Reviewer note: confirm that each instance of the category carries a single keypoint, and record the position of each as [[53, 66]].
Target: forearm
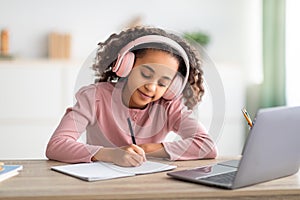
[[63, 149], [195, 143], [191, 148], [63, 145], [155, 150]]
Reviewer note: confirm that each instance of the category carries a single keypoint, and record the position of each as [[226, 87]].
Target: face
[[149, 78]]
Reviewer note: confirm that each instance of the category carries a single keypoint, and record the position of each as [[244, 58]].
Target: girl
[[149, 82]]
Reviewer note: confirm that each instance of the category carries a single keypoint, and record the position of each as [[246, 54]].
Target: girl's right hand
[[131, 155], [126, 156]]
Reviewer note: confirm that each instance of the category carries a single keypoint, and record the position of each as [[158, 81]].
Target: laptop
[[271, 151]]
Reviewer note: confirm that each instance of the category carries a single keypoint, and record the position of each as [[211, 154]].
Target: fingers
[[139, 151], [135, 162], [137, 155], [127, 156], [131, 155]]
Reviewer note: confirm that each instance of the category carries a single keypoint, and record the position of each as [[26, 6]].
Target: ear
[[124, 65], [174, 89]]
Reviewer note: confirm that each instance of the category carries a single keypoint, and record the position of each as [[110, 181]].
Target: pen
[[247, 116], [131, 131]]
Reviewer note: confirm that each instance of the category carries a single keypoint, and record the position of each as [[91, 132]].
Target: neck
[[126, 96]]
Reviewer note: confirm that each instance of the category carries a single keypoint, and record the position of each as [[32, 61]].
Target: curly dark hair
[[107, 54]]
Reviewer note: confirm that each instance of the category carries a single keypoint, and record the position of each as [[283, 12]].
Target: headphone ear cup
[[174, 89], [126, 64]]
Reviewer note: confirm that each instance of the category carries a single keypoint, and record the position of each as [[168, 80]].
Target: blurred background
[[44, 44]]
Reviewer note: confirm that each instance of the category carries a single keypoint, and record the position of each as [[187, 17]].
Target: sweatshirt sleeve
[[63, 145], [195, 142]]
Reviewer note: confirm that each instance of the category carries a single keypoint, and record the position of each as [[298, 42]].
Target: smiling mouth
[[145, 96]]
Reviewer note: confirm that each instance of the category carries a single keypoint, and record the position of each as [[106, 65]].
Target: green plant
[[198, 37]]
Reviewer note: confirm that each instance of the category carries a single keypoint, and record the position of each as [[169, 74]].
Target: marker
[[131, 130], [247, 117]]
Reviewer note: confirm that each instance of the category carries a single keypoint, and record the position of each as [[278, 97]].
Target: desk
[[37, 181]]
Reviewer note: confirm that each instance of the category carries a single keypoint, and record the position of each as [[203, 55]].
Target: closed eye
[[147, 72], [164, 83], [146, 75]]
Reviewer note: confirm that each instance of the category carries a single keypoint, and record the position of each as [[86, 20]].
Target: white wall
[[292, 52], [233, 25]]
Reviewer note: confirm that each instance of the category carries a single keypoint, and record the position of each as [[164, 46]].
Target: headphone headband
[[153, 39]]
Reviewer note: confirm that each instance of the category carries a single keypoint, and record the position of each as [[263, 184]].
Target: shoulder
[[96, 90], [97, 86]]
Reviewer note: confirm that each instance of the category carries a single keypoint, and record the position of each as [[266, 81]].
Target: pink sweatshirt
[[101, 113]]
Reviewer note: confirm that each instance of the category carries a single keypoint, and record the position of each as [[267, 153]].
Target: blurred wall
[[233, 25]]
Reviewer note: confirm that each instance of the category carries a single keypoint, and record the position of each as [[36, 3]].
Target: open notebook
[[102, 170]]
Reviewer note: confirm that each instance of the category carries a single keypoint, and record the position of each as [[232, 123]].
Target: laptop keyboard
[[226, 178]]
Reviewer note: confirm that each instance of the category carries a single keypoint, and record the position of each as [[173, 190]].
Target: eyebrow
[[153, 71]]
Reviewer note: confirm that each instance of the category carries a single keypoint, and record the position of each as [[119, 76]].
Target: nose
[[151, 86]]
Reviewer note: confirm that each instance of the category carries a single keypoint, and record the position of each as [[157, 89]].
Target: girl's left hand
[[155, 150]]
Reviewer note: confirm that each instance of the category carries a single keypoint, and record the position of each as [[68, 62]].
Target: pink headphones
[[125, 62]]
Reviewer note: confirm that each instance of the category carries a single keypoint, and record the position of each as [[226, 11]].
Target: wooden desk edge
[[189, 191]]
